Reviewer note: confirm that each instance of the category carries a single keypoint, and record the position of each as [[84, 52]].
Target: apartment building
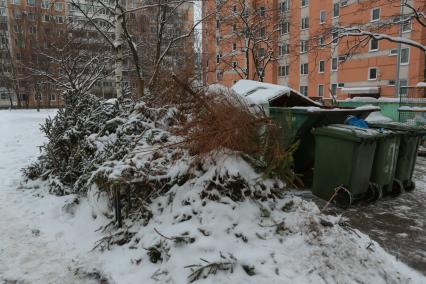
[[28, 28], [309, 48]]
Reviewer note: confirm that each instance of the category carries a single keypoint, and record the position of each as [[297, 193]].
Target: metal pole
[[398, 64]]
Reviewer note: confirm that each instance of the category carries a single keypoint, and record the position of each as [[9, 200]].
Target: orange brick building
[[307, 53]]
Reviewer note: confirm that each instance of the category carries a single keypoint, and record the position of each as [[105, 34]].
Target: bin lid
[[351, 133], [398, 126]]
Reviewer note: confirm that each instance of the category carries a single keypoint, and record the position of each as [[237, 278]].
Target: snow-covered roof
[[361, 90], [412, 108], [263, 93], [259, 92], [371, 100]]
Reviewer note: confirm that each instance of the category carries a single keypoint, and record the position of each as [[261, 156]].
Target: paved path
[[397, 224]]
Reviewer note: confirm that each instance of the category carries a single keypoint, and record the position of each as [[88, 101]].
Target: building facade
[[310, 47], [33, 30]]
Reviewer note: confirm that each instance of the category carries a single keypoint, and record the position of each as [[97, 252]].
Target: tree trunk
[[118, 52]]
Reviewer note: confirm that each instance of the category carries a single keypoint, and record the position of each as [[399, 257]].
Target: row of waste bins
[[347, 163], [356, 163]]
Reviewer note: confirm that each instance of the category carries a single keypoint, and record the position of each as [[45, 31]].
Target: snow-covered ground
[[33, 246], [49, 239]]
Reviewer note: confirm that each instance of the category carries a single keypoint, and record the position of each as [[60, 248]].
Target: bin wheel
[[343, 198], [374, 192], [409, 186], [397, 188]]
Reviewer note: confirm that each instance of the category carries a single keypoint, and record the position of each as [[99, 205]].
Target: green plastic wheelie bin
[[344, 157], [384, 165], [410, 140], [297, 124]]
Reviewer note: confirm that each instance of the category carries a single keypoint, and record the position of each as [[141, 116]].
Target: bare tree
[[129, 43], [353, 36], [253, 30]]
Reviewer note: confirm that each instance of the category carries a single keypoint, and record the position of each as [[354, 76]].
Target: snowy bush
[[145, 150]]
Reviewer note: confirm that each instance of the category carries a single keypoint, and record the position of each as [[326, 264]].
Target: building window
[[374, 44], [405, 56], [33, 30], [234, 8], [234, 64], [217, 24], [322, 16], [283, 70], [403, 83], [31, 17], [45, 4], [16, 2], [31, 2], [372, 73], [304, 70], [305, 23], [375, 14], [321, 41], [284, 28], [305, 3], [219, 75], [303, 46], [406, 25], [285, 6], [261, 52], [304, 90], [262, 11], [262, 32], [321, 66], [334, 64], [333, 90], [17, 28], [59, 7], [336, 10], [284, 49], [320, 90], [17, 14], [335, 36], [234, 46], [234, 27], [218, 57]]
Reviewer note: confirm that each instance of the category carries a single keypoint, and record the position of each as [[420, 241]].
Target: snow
[[377, 116], [421, 84], [361, 90], [262, 93], [317, 109], [49, 239], [412, 108], [368, 107], [372, 100]]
